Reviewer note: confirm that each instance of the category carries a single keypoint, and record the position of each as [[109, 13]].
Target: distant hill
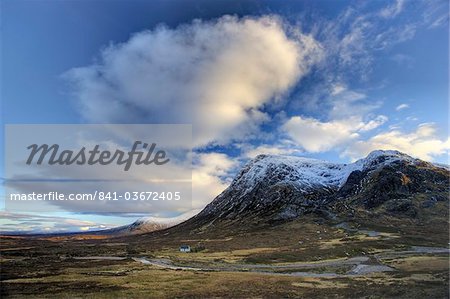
[[146, 225]]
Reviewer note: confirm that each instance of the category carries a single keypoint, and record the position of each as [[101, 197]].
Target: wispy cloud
[[402, 107], [435, 13], [403, 60], [392, 10], [34, 223], [285, 147], [353, 39]]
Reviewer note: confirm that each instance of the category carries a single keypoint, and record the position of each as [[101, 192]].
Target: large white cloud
[[213, 74], [347, 118], [316, 136]]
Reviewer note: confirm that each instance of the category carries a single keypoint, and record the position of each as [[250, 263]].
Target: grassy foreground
[[48, 267]]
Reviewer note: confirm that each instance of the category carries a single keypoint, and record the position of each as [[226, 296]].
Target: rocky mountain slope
[[274, 189]]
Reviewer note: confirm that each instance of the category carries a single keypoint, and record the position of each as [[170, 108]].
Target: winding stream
[[357, 262]]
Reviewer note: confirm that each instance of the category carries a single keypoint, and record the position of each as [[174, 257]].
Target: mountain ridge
[[272, 188]]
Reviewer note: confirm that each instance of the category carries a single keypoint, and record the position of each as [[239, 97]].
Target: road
[[359, 265]]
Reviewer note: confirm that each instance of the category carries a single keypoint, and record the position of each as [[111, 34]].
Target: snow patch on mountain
[[171, 221], [308, 173], [379, 158]]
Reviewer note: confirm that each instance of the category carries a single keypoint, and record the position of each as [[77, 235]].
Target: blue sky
[[327, 79]]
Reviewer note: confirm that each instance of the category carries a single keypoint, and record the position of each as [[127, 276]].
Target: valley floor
[[293, 260]]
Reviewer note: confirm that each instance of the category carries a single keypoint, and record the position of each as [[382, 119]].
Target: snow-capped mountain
[[280, 188], [148, 224], [308, 173]]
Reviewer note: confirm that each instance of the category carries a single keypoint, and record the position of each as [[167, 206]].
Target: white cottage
[[185, 248]]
